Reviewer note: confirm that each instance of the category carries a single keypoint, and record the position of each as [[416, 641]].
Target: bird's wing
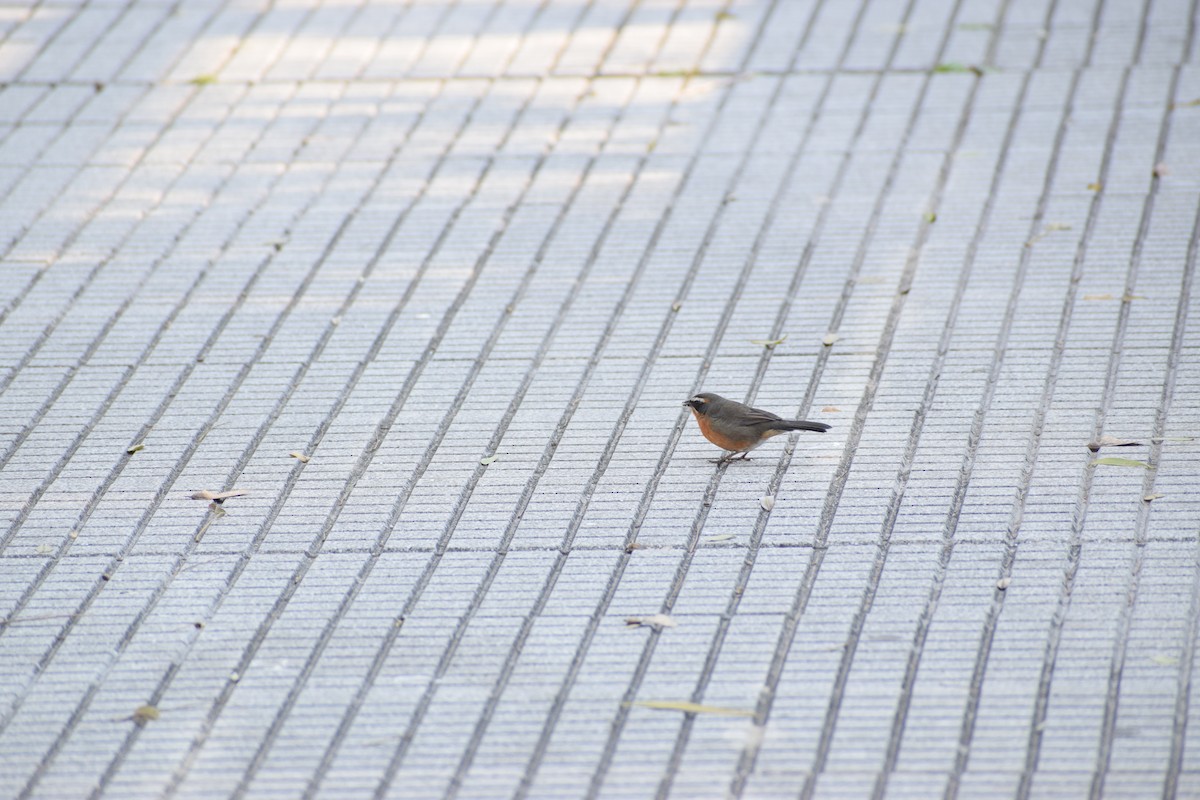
[[757, 415]]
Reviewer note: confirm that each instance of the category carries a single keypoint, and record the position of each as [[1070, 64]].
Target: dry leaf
[[1113, 461], [1152, 497], [74, 534], [203, 80], [720, 537], [1186, 103], [676, 306], [133, 448], [44, 549], [303, 459], [692, 708], [930, 217], [769, 343], [656, 621], [1165, 660], [1105, 296], [629, 548], [1004, 582], [1094, 186], [767, 502], [489, 459], [144, 713], [829, 339], [218, 497], [1111, 441], [830, 409]]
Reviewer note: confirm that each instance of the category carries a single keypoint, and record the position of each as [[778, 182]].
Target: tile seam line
[[533, 765], [410, 733], [116, 560], [499, 556], [718, 637], [360, 368], [76, 616], [926, 617], [900, 483], [280, 719], [243, 561], [1075, 543], [331, 751], [225, 401], [379, 547], [617, 724], [509, 665], [223, 698], [1142, 522], [748, 757], [437, 551], [991, 619], [17, 299], [81, 519], [359, 469], [1057, 618]]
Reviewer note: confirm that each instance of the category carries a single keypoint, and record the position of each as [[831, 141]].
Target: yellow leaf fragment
[[303, 459], [692, 708], [144, 713], [1114, 461]]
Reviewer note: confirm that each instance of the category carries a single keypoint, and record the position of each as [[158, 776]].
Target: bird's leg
[[745, 455]]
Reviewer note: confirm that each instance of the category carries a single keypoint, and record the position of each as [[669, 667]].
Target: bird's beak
[[687, 403]]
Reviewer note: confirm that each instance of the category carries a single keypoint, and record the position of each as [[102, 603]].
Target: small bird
[[737, 427]]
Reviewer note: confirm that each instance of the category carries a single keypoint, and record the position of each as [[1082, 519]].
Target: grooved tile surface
[[424, 283]]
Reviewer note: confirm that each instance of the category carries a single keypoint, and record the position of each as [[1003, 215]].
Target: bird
[[737, 427]]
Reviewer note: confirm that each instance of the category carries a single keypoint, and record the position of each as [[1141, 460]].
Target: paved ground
[[429, 282]]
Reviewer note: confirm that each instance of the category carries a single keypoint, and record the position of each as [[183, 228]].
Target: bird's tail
[[801, 425]]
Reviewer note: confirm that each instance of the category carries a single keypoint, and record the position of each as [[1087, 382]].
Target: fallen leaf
[[676, 306], [692, 708], [829, 339], [144, 713], [1095, 186], [1187, 103], [724, 15], [218, 497], [1152, 497], [954, 66], [489, 459], [1131, 297], [1165, 660], [830, 409], [720, 537], [44, 549], [1105, 296], [629, 548], [1113, 461], [975, 26], [133, 448], [770, 343], [203, 80], [1160, 169], [1111, 441], [74, 534], [1004, 582], [303, 459], [767, 502], [656, 621], [930, 217]]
